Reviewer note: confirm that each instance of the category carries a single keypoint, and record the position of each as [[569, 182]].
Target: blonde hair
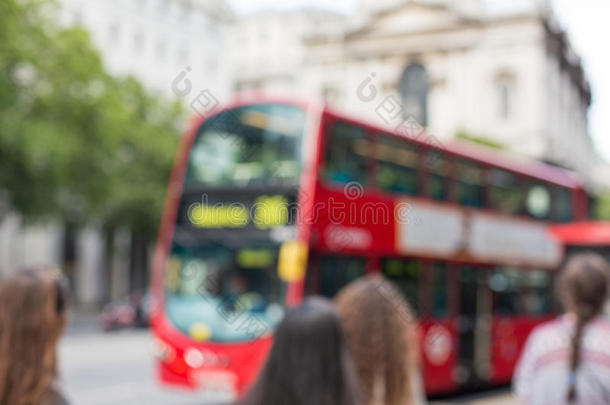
[[377, 322], [32, 318]]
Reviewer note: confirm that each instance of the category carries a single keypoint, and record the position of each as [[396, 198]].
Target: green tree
[[75, 142], [602, 207]]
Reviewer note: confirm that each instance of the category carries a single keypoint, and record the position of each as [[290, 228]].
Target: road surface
[[117, 369]]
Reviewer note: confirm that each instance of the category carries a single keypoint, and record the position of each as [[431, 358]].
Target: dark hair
[[583, 290], [377, 322], [309, 363]]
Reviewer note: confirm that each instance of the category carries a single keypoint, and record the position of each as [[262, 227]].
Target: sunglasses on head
[[62, 294], [62, 288]]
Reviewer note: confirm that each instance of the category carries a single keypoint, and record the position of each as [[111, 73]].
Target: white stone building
[[498, 69], [267, 49], [156, 40]]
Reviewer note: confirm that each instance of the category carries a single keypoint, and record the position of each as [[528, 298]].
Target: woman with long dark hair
[[32, 319], [309, 363], [381, 335], [567, 361]]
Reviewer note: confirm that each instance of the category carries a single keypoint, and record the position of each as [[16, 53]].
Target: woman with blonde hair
[[32, 318], [381, 335]]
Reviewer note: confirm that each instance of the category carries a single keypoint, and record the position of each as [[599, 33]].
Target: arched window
[[414, 92], [505, 94]]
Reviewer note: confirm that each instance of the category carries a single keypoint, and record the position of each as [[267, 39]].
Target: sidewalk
[[500, 397]]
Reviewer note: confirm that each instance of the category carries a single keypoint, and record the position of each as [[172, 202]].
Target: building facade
[[267, 49], [157, 40], [499, 70]]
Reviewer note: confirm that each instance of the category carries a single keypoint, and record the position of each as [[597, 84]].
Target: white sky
[[246, 6], [588, 25]]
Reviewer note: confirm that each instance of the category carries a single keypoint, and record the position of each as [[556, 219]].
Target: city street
[[117, 368], [114, 368], [323, 177]]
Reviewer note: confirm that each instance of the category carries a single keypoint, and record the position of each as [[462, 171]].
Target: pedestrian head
[[378, 325], [309, 363], [584, 285], [32, 317], [583, 289]]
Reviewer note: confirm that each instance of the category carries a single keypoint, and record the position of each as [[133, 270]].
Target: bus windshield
[[252, 145], [222, 294]]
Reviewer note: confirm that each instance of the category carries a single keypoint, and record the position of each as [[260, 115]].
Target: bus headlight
[[163, 351], [194, 358]]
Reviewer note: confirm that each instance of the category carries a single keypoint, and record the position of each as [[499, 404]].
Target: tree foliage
[[481, 140], [602, 207], [75, 142]]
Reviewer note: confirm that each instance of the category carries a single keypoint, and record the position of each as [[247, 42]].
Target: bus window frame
[[555, 214], [484, 184], [375, 163], [425, 175], [328, 122], [519, 185], [450, 181]]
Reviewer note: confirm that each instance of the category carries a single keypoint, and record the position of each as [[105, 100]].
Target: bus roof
[[585, 233], [515, 163], [485, 155]]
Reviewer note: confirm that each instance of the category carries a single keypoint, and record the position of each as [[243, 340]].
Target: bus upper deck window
[[435, 185], [469, 178], [397, 165], [346, 153], [504, 192], [253, 145], [562, 201]]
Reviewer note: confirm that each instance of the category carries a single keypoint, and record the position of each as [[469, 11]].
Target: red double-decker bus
[[273, 200]]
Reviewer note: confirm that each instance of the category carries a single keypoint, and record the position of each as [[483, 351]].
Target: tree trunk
[[139, 276]]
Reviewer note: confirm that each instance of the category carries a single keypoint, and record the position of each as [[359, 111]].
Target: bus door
[[474, 323]]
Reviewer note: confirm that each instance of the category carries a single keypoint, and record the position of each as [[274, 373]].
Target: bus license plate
[[218, 384]]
